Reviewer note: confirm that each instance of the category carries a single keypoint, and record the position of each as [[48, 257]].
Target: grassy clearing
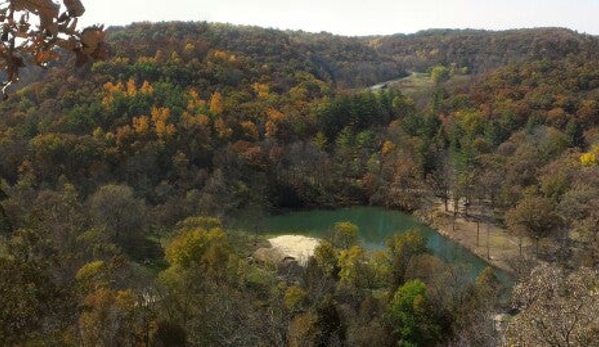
[[419, 86], [417, 82]]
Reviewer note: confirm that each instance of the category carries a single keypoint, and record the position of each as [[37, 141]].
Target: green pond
[[376, 225]]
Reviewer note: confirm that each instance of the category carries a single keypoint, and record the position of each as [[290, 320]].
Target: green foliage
[[295, 298], [34, 305], [196, 247], [352, 267], [401, 248], [326, 258], [358, 111], [344, 235], [409, 315], [194, 223], [440, 74], [93, 275]]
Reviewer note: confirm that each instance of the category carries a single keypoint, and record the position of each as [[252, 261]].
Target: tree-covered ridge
[[343, 61], [481, 50], [146, 110]]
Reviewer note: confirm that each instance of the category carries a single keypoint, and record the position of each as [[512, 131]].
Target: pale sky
[[352, 17]]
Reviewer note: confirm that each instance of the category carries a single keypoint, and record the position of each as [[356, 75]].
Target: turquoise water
[[376, 225]]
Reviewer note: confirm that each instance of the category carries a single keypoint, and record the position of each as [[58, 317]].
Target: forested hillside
[[480, 50], [121, 181]]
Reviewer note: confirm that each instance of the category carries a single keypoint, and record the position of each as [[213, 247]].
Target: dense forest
[[124, 181]]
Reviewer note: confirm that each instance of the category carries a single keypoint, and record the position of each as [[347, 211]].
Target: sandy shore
[[301, 248]]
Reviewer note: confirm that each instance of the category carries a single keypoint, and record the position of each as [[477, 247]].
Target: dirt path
[[492, 243]]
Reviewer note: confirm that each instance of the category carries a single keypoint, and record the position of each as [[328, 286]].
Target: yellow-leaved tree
[[590, 158], [160, 117], [200, 243], [217, 103]]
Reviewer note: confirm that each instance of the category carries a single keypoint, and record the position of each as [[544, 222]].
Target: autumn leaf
[[37, 45], [90, 39], [75, 7], [46, 9]]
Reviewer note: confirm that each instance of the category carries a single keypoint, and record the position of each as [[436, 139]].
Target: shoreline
[[292, 247], [494, 245], [502, 245]]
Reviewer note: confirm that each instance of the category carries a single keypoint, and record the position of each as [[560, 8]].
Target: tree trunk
[[478, 233], [455, 216], [488, 245], [520, 245]]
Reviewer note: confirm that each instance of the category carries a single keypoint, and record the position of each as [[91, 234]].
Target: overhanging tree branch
[[32, 31]]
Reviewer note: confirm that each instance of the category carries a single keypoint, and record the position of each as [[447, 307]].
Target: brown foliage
[[20, 44]]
